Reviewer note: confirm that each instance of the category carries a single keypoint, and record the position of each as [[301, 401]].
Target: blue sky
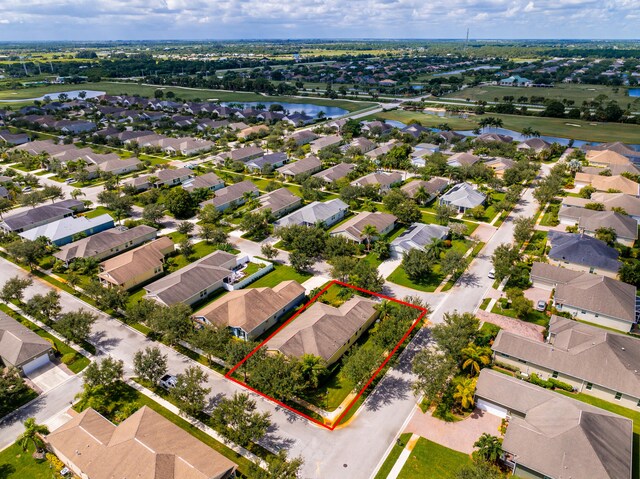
[[22, 20]]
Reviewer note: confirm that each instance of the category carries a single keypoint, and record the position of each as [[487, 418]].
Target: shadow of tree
[[6, 470], [391, 389]]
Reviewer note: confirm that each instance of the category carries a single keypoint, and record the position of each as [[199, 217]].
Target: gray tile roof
[[18, 344], [585, 352], [278, 200], [65, 227], [355, 226], [335, 172], [463, 195], [208, 180], [583, 250], [40, 214], [558, 436], [591, 220], [231, 193], [316, 212], [419, 235], [305, 165]]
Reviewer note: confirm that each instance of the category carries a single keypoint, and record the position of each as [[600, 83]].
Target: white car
[[492, 274], [168, 381], [541, 305]]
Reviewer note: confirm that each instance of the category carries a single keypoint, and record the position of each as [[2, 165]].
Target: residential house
[[515, 80], [606, 158], [433, 187], [616, 146], [537, 145], [271, 161], [298, 119], [415, 130], [550, 436], [195, 282], [500, 165], [22, 348], [308, 165], [628, 203], [232, 196], [377, 127], [74, 126], [325, 213], [450, 136], [249, 313], [172, 177], [418, 236], [279, 202], [462, 159], [146, 445], [65, 230], [381, 179], [243, 154], [489, 137], [208, 181], [324, 142], [353, 229], [14, 139], [256, 130], [303, 137], [611, 184], [106, 243], [40, 215], [589, 221], [335, 173], [594, 361], [325, 331], [380, 151], [463, 197], [590, 297], [120, 166], [583, 253], [613, 170], [140, 183], [137, 266], [361, 144]]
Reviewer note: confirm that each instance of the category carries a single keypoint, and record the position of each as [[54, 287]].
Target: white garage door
[[491, 408], [35, 364]]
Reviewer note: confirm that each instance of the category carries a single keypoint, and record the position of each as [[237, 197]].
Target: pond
[[306, 108], [71, 95], [635, 92]]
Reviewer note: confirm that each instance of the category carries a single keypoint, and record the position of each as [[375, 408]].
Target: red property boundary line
[[364, 388]]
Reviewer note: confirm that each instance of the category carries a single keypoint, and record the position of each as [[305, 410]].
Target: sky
[[37, 20]]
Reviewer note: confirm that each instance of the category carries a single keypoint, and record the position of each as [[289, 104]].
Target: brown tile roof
[[249, 308], [335, 172], [322, 330], [434, 186], [18, 344], [591, 220], [606, 183], [277, 200], [135, 262], [144, 446], [355, 226], [607, 157], [231, 193], [305, 165]]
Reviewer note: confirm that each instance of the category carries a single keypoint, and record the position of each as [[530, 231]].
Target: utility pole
[[466, 43]]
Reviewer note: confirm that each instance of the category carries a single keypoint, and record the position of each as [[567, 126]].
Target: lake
[[72, 95], [635, 92], [307, 108]]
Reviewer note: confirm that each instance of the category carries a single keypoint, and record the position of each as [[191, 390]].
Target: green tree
[[489, 447], [417, 264], [369, 232], [630, 273], [444, 213], [465, 392], [268, 251], [150, 364], [257, 224], [238, 420], [45, 307], [13, 289], [186, 228], [300, 261], [523, 228], [359, 363], [278, 467], [212, 341], [153, 213], [190, 392], [173, 322], [275, 375], [434, 371], [504, 260], [455, 332], [104, 373], [213, 234], [453, 262], [475, 358], [12, 388], [479, 470], [186, 247], [180, 203], [312, 369], [27, 251], [366, 276], [607, 234], [76, 325], [32, 434]]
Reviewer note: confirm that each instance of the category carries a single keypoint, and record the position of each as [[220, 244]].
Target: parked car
[[168, 381], [492, 274], [69, 181], [541, 305], [26, 189]]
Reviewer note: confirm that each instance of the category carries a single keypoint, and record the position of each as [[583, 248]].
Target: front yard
[[432, 460], [18, 464], [279, 274]]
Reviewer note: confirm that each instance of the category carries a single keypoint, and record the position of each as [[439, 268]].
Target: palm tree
[[465, 392], [384, 309], [489, 447], [527, 132], [312, 369], [436, 248], [369, 232], [421, 195], [32, 434], [367, 205], [77, 192], [475, 358]]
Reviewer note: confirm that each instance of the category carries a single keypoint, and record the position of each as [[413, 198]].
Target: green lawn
[[622, 411], [426, 120], [550, 217], [393, 456], [432, 460], [278, 275], [536, 317], [429, 284], [18, 464], [100, 210]]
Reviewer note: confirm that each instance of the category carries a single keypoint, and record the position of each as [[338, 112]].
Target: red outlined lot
[[332, 426]]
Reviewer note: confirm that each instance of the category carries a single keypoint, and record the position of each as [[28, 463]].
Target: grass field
[[18, 464], [393, 456], [560, 127], [577, 93], [278, 275], [432, 460], [118, 88]]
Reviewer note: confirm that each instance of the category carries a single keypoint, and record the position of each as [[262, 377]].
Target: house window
[[618, 396], [589, 387], [555, 374], [638, 403]]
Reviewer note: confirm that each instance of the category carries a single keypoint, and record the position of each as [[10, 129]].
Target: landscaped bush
[[55, 462], [535, 379], [561, 385], [68, 358]]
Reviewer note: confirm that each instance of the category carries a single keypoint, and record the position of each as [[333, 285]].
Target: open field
[[561, 127], [18, 464], [117, 88], [432, 460], [576, 92]]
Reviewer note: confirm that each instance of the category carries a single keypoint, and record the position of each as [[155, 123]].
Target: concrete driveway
[[537, 294], [48, 377]]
